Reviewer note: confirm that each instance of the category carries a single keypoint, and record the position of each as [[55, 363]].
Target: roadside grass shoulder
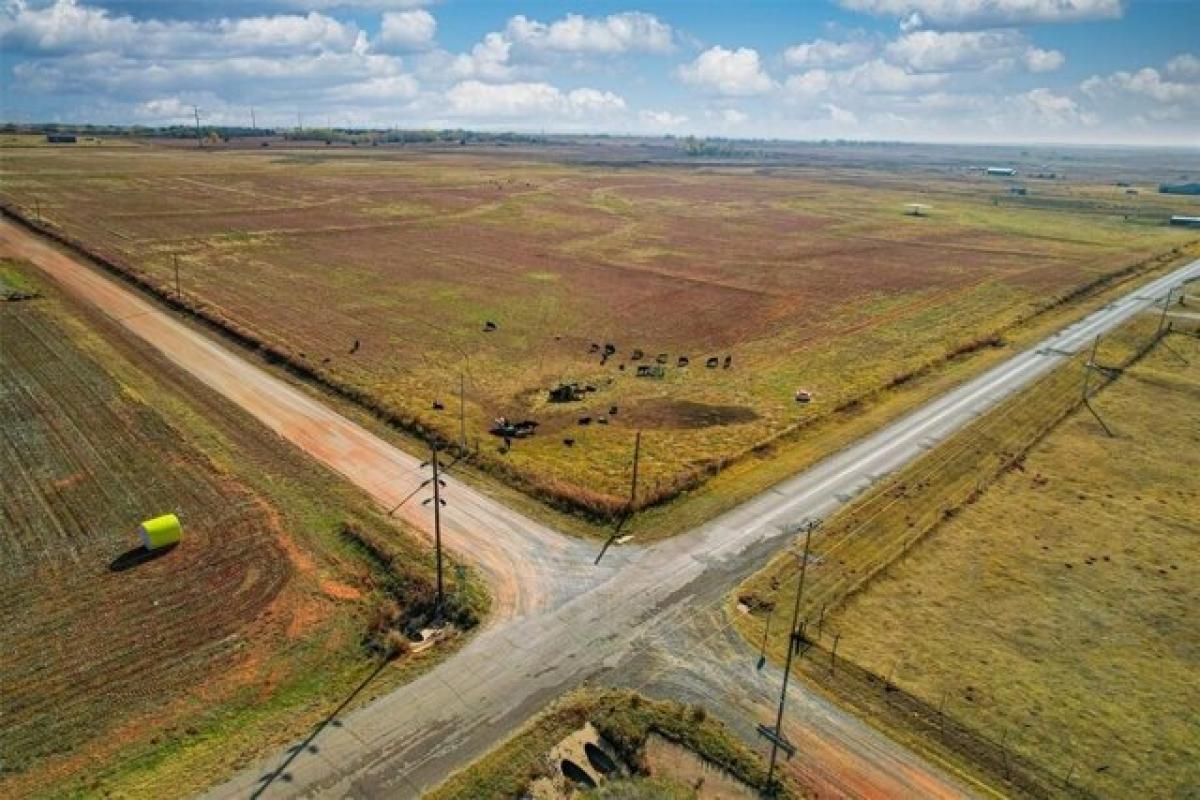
[[14, 283], [623, 718]]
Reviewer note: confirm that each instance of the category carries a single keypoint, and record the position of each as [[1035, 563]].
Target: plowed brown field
[[90, 625], [225, 645]]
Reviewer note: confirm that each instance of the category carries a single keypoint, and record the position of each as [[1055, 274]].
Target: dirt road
[[563, 621], [528, 565]]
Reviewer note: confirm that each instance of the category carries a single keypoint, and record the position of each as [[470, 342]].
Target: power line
[[438, 502]]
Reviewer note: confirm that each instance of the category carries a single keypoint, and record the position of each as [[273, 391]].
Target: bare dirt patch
[[665, 414]]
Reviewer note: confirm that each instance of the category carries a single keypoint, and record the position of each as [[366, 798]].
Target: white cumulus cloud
[[1042, 106], [628, 32], [727, 72], [662, 119], [488, 59], [528, 99], [1145, 83], [1038, 60], [840, 115], [987, 13], [66, 26], [374, 5], [1184, 66], [407, 30], [880, 77], [824, 53], [810, 84], [940, 51]]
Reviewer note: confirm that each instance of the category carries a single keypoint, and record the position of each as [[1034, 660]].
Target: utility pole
[[37, 201], [178, 294], [438, 502], [794, 639], [762, 651], [637, 449], [196, 113], [462, 411], [253, 123], [1162, 320], [1087, 374], [1087, 368]]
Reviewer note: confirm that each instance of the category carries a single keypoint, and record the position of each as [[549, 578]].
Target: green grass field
[[807, 278]]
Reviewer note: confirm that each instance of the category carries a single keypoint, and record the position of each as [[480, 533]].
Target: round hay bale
[[160, 532]]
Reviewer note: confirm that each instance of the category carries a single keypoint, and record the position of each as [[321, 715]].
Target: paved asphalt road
[[560, 620]]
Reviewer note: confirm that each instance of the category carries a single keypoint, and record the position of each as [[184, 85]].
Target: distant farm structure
[[1179, 188], [917, 209], [1000, 172], [1185, 221], [61, 138]]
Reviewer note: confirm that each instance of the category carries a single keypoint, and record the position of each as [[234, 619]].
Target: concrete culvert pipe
[[600, 760], [160, 532], [577, 774]]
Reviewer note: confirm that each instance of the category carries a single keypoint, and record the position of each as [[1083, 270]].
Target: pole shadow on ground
[[280, 772]]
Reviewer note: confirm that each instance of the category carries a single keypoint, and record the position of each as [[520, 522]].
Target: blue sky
[[928, 70]]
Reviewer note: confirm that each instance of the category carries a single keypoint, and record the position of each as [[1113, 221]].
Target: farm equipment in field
[[507, 429], [566, 393], [650, 371], [803, 396]]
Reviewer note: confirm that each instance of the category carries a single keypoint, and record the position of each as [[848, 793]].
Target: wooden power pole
[[196, 113], [438, 502], [637, 451], [462, 413], [775, 735]]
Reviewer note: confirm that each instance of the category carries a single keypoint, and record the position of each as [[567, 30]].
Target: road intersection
[[559, 619]]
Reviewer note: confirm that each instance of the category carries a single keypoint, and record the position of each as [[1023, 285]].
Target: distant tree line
[[326, 134]]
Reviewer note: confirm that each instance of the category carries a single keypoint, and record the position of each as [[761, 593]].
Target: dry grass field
[[1021, 605], [1059, 608], [377, 269], [155, 675]]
